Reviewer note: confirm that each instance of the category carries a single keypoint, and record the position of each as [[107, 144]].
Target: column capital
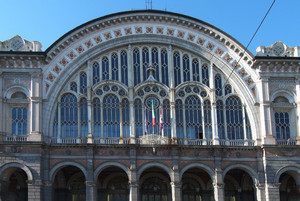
[[218, 185], [91, 183], [260, 186]]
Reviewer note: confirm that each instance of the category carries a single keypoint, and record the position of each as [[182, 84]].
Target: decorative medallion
[[151, 100]]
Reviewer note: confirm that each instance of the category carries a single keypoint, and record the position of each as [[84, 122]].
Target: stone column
[[218, 184], [260, 192], [133, 191], [91, 190], [272, 192], [176, 191], [34, 190], [35, 110]]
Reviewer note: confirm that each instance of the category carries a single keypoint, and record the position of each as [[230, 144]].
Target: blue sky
[[47, 20]]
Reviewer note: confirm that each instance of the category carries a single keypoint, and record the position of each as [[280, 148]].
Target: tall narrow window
[[234, 118], [69, 116], [164, 67], [154, 54], [193, 118], [196, 70], [83, 83], [19, 121], [138, 116], [115, 67], [218, 85], [166, 118], [220, 119], [83, 118], [96, 73], [282, 124], [177, 75], [105, 68], [179, 119], [248, 126], [136, 66], [145, 57], [111, 116], [207, 119], [73, 87], [205, 76], [228, 89], [125, 118], [124, 67], [97, 117], [55, 124], [186, 68]]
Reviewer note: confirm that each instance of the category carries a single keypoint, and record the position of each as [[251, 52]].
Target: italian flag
[[153, 115]]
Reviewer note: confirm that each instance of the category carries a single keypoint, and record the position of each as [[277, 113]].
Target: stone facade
[[226, 125]]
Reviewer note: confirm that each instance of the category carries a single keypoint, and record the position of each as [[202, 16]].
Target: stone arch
[[294, 171], [61, 165], [206, 168], [285, 93], [16, 88], [103, 166], [5, 170], [253, 174], [154, 164]]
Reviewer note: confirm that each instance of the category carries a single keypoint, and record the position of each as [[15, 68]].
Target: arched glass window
[[164, 67], [220, 119], [114, 66], [69, 116], [124, 67], [97, 117], [218, 85], [111, 116], [105, 68], [83, 118], [145, 57], [136, 66], [138, 116], [154, 54], [205, 76], [207, 119], [186, 68], [234, 118], [196, 70], [73, 87], [228, 89], [125, 118], [55, 124], [19, 121], [282, 124], [177, 75], [96, 73], [193, 118], [179, 119], [248, 126], [83, 83], [166, 118]]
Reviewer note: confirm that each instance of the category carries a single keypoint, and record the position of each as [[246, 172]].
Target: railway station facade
[[149, 106]]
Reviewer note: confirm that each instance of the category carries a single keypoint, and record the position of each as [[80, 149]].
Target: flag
[[146, 122], [153, 115], [161, 120]]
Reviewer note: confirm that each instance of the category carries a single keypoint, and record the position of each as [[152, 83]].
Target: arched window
[[154, 54], [191, 190], [83, 117], [234, 118], [69, 116], [186, 68], [196, 70], [19, 121], [125, 118], [83, 83], [177, 73], [114, 66], [228, 89], [218, 85], [193, 118], [145, 59], [96, 73], [111, 116], [207, 119], [138, 116], [220, 119], [164, 67], [179, 119], [97, 117], [105, 68], [136, 66], [205, 76], [124, 67], [73, 87]]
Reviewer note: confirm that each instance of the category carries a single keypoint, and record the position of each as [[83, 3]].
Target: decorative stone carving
[[278, 49], [19, 44]]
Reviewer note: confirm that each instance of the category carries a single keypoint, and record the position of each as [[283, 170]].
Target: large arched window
[[145, 64], [125, 118], [179, 119], [69, 115], [138, 116], [111, 116], [97, 117], [177, 68], [164, 67], [166, 119], [124, 67], [221, 119], [83, 117], [193, 118], [136, 66], [186, 68], [155, 64], [207, 119]]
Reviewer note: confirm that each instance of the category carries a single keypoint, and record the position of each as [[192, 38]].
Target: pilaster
[[34, 190], [91, 190], [272, 192], [176, 191]]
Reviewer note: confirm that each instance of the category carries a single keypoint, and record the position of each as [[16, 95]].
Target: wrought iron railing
[[286, 142]]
